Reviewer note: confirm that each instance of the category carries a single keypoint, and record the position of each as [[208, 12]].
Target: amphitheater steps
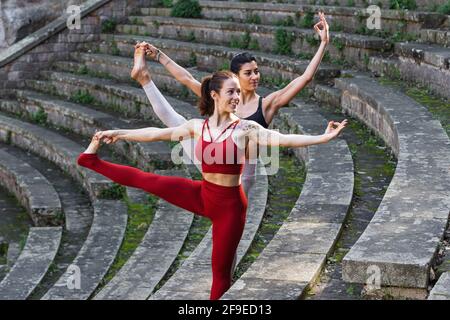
[[85, 121], [34, 261], [155, 254], [32, 190], [352, 47], [425, 64], [402, 238], [213, 57], [96, 256]]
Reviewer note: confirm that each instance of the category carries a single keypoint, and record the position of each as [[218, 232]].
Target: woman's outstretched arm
[[178, 72], [151, 134], [266, 137], [282, 97]]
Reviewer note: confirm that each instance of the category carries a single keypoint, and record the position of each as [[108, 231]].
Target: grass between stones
[[438, 107], [284, 190], [374, 167], [140, 216]]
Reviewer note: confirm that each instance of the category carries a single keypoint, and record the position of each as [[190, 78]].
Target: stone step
[[85, 121], [347, 18], [434, 55], [385, 4], [425, 64], [441, 290], [32, 190], [122, 97], [193, 279], [56, 148], [436, 36], [32, 264], [293, 260], [96, 255], [261, 37], [155, 254], [212, 57], [401, 241]]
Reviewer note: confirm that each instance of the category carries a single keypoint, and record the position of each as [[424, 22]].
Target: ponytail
[[210, 83], [206, 104]]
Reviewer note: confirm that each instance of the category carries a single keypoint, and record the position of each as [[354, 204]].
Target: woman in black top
[[252, 106]]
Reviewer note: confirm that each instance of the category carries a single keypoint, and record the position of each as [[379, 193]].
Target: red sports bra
[[220, 157]]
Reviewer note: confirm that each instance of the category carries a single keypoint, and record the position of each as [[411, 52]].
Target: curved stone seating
[[421, 4], [350, 18], [86, 121], [32, 190], [293, 260], [441, 290], [193, 278], [427, 64], [155, 254], [212, 57], [436, 36], [96, 255], [32, 264], [402, 238], [214, 32], [108, 92], [54, 147]]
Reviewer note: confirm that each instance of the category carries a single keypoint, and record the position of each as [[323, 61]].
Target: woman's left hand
[[322, 28], [109, 136], [335, 127]]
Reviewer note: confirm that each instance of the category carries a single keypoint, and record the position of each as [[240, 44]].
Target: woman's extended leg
[[226, 206], [182, 192]]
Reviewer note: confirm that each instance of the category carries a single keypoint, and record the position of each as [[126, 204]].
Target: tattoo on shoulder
[[249, 126]]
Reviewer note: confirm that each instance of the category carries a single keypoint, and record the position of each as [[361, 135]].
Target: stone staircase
[[52, 113]]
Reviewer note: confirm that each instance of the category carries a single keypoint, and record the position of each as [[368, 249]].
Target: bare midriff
[[226, 180]]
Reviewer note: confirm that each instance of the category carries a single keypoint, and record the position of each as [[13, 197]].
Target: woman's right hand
[[109, 136], [334, 128]]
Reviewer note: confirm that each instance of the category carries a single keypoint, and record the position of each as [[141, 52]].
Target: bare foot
[[94, 145], [140, 72]]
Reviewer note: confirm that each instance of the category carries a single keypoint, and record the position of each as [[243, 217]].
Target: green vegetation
[[284, 190], [439, 107], [39, 117], [308, 20], [253, 19], [286, 22], [338, 43], [350, 3], [109, 26], [241, 42], [186, 9], [116, 192], [114, 49], [403, 4], [140, 216], [283, 41], [82, 97], [444, 8]]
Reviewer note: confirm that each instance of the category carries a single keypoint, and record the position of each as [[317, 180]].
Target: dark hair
[[240, 59], [210, 83]]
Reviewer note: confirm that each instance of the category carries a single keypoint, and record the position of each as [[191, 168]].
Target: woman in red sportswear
[[223, 139]]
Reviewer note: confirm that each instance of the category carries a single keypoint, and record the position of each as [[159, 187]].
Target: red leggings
[[225, 206]]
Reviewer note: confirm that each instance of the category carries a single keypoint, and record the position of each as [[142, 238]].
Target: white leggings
[[167, 114]]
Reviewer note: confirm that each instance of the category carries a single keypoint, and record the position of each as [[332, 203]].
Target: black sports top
[[258, 116]]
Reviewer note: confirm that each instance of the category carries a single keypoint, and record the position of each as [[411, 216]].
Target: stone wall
[[19, 18], [55, 42]]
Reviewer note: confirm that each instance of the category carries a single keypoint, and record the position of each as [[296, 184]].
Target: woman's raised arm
[[266, 137], [150, 134]]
